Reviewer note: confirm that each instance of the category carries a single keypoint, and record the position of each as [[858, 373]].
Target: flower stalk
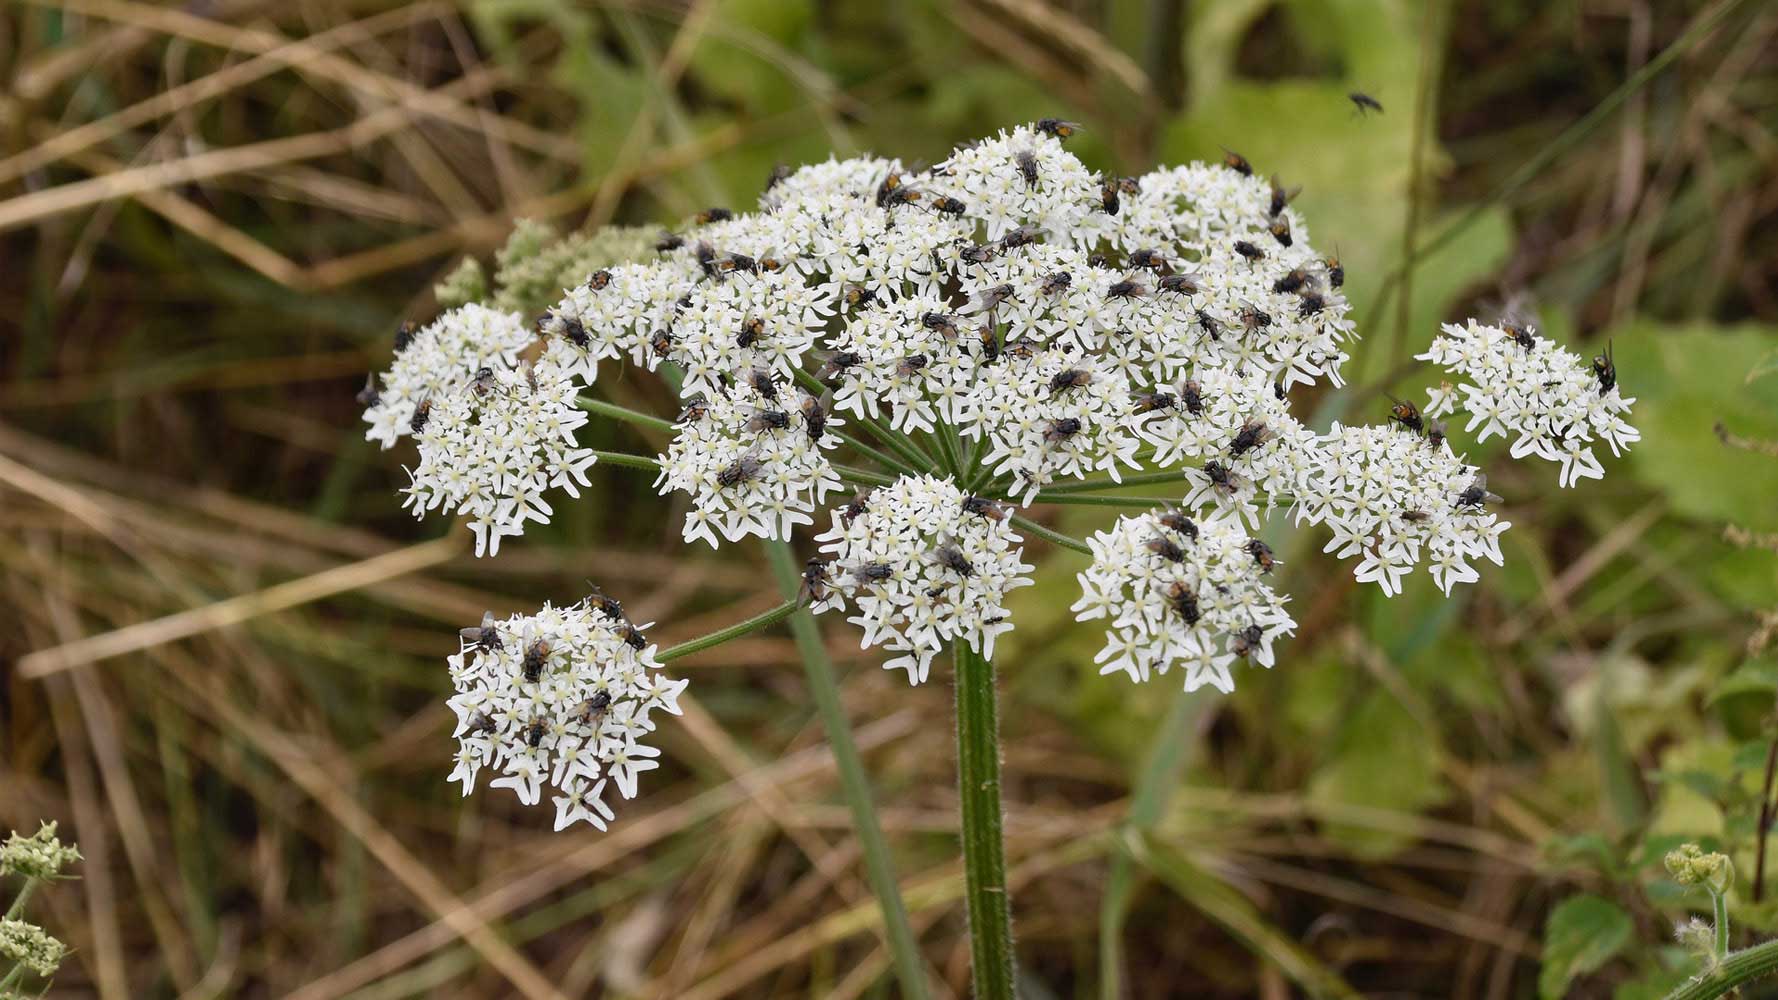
[[854, 782], [984, 841]]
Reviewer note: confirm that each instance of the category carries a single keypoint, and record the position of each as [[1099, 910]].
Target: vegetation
[[224, 669]]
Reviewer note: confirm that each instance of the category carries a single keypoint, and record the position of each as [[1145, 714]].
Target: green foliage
[[1582, 934], [1686, 379]]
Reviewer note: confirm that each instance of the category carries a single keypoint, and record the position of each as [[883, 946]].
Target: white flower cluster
[[491, 448], [560, 698], [434, 361], [1018, 321], [752, 460], [39, 856], [1554, 403], [1052, 413], [923, 564], [1181, 592], [1391, 496]]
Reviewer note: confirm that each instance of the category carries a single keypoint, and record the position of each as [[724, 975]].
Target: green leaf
[[1583, 933], [1685, 379], [1743, 699]]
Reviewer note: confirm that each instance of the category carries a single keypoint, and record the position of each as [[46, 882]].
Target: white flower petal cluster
[[919, 570], [750, 460], [493, 447], [434, 361], [1394, 498], [890, 357], [1025, 178], [1236, 437], [1051, 414], [1178, 592], [560, 699], [1553, 403]]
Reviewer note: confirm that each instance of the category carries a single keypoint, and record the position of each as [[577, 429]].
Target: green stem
[[853, 780], [1721, 902], [769, 617], [1086, 501], [627, 460], [1095, 485], [624, 413], [17, 909], [864, 476], [1740, 967], [12, 979], [984, 843], [1053, 537]]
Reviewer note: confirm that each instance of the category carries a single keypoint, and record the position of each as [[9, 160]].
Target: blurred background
[[213, 215]]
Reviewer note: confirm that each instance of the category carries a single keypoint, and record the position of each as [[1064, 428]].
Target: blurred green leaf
[[1581, 935], [1685, 379], [1743, 699], [1384, 759]]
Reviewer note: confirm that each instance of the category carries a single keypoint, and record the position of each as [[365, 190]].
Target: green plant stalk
[[903, 948], [1053, 537], [984, 839], [1720, 902], [626, 460], [624, 413], [864, 476], [17, 908], [1092, 501], [764, 619], [1094, 485], [12, 978], [1731, 972]]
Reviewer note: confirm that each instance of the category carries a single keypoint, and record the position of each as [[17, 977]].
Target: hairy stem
[[984, 842], [909, 969], [765, 618], [1729, 974]]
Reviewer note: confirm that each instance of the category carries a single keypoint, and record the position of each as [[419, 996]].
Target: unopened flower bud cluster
[[39, 856]]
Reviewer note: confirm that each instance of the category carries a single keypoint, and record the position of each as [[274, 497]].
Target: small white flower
[[490, 448], [751, 460], [1391, 497]]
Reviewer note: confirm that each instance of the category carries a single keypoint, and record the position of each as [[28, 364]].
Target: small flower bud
[[40, 855], [30, 946]]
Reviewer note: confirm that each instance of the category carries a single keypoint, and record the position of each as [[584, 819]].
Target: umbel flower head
[[1179, 592], [39, 856], [1000, 331], [923, 564], [1552, 403], [562, 698], [31, 946]]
